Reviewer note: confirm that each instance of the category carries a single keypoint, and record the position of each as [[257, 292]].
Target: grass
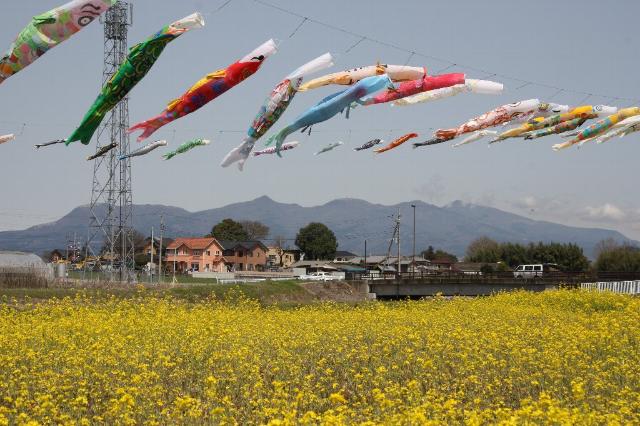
[[265, 292]]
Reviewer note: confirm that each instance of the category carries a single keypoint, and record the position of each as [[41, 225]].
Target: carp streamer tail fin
[[148, 127]]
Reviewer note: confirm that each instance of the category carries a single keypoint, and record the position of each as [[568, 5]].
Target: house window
[[195, 267], [240, 254], [217, 252], [250, 267], [208, 253]]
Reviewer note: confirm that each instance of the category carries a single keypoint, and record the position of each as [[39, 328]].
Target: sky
[[580, 45]]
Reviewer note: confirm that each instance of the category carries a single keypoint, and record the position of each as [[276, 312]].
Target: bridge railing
[[567, 277]]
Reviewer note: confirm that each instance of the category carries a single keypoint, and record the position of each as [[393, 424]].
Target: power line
[[363, 37]]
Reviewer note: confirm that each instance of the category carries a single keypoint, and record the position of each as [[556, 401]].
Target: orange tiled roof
[[192, 243]]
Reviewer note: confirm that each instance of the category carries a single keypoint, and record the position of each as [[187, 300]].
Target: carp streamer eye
[[83, 21], [89, 13]]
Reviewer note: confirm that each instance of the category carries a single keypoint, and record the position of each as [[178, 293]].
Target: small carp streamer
[[396, 143], [329, 147], [7, 138], [272, 149], [102, 151], [187, 146], [368, 145], [144, 150]]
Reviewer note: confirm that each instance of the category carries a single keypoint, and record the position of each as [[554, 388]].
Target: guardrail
[[624, 287]]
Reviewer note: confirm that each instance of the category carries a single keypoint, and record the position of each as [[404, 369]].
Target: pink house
[[195, 254]]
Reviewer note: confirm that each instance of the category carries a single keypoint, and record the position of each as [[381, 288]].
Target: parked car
[[318, 276], [528, 271]]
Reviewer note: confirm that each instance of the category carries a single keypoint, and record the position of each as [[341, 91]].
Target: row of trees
[[613, 256], [569, 257]]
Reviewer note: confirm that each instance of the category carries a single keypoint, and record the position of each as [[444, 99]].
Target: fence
[[624, 287]]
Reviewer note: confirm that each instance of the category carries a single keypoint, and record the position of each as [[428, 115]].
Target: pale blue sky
[[583, 45]]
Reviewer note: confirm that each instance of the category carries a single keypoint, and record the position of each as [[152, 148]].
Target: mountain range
[[451, 227]]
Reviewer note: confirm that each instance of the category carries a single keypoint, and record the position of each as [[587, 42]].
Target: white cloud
[[606, 212]]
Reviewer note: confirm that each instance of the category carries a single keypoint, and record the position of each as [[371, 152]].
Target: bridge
[[407, 285]]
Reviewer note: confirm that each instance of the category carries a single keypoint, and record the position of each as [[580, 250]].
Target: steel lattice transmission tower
[[110, 236]]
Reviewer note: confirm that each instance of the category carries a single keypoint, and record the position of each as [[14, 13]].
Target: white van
[[528, 271]]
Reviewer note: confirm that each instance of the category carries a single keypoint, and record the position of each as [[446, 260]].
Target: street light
[[414, 239]]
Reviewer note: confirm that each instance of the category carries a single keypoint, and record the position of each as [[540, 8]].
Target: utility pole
[[413, 262], [160, 255], [151, 257], [366, 269], [398, 231]]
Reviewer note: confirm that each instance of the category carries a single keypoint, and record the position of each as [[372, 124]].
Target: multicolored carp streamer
[[565, 126], [7, 138], [396, 143], [56, 142], [482, 87], [475, 136], [410, 88], [144, 150], [47, 30], [501, 115], [561, 114], [623, 128], [187, 146], [273, 108], [369, 145], [329, 147], [207, 89], [330, 106], [141, 58], [598, 127], [102, 151], [272, 149], [352, 76]]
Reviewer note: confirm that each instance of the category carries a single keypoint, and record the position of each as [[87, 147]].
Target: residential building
[[343, 256], [156, 246], [244, 255], [278, 258], [442, 264], [196, 255]]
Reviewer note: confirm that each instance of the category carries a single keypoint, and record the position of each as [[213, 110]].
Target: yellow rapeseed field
[[561, 357]]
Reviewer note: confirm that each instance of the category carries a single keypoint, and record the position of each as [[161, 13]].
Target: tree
[[255, 230], [229, 230], [278, 244], [317, 241], [429, 253], [483, 250], [618, 258], [441, 254]]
